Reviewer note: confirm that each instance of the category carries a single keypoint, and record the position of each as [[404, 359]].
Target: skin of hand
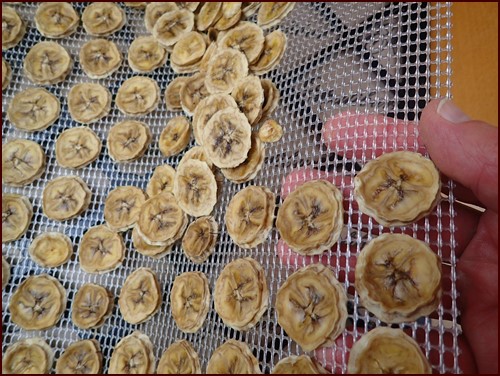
[[463, 150]]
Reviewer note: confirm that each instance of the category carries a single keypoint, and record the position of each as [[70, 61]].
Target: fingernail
[[451, 112]]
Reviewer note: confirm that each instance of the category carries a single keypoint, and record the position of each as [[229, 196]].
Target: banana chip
[[16, 216], [77, 147], [175, 136], [271, 97], [65, 197], [171, 26], [103, 19], [81, 357], [136, 5], [173, 94], [128, 140], [51, 249], [226, 68], [13, 28], [299, 365], [5, 271], [198, 153], [154, 11], [47, 63], [274, 49], [92, 305], [233, 357], [192, 92], [101, 250], [249, 96], [189, 5], [88, 103], [56, 20], [6, 74], [154, 251], [231, 15], [145, 55], [162, 180], [180, 358], [271, 14], [249, 8], [133, 354], [138, 96], [249, 169], [23, 162], [200, 238], [100, 58], [122, 207], [189, 49], [248, 38], [27, 356], [270, 131], [208, 15]]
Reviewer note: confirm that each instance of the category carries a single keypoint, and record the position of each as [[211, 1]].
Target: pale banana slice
[[180, 358], [88, 103], [231, 15], [77, 147], [154, 11], [271, 97], [100, 58], [171, 26], [56, 20], [208, 15], [138, 96], [387, 350], [122, 207], [198, 153], [81, 357], [249, 169], [299, 365], [51, 249], [16, 216], [248, 38], [241, 294], [398, 188], [154, 251], [145, 55], [274, 49], [6, 74], [5, 271], [310, 219], [133, 355], [173, 94], [189, 49], [28, 356], [102, 19], [65, 197], [128, 140], [249, 8], [23, 161], [162, 180], [233, 357], [136, 5], [91, 306], [34, 109], [189, 5], [38, 303], [47, 63], [249, 96], [200, 238], [312, 307], [175, 136], [271, 14], [13, 28], [226, 69], [270, 131], [190, 301], [192, 92], [101, 250]]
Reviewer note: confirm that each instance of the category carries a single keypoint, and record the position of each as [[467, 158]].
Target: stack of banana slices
[[23, 161], [65, 197]]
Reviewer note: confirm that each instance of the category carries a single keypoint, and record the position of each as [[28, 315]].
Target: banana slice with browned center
[[65, 197], [133, 355], [271, 14], [247, 37], [189, 49], [208, 15], [162, 180], [128, 140], [233, 357], [81, 357], [398, 188], [145, 54], [154, 11], [102, 19], [227, 67], [5, 272], [122, 207], [252, 165], [270, 131], [77, 147], [231, 14], [13, 28], [310, 219], [312, 307], [47, 63], [180, 358], [28, 356], [192, 92], [200, 238], [92, 305], [100, 58], [175, 136], [387, 350], [88, 103], [173, 94], [171, 26], [249, 96], [198, 153], [23, 161], [138, 96], [56, 20], [51, 249], [274, 49], [271, 97], [101, 250], [154, 251], [299, 365], [16, 216], [6, 74]]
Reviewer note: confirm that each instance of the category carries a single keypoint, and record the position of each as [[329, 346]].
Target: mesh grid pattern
[[389, 58]]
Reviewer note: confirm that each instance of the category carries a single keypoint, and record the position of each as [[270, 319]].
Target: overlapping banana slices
[[398, 188], [77, 147], [91, 306], [233, 357], [5, 272], [102, 19], [56, 20], [200, 238], [271, 14], [13, 28], [246, 37], [241, 294], [82, 356], [154, 251], [187, 52], [171, 26], [192, 92], [138, 96], [32, 355], [249, 216], [136, 5], [226, 68], [154, 11], [23, 161], [274, 49], [398, 278], [310, 219], [387, 350], [173, 93], [122, 207], [101, 250], [271, 97], [231, 15], [312, 307], [47, 63], [249, 8], [180, 358], [17, 212], [209, 13], [88, 103], [38, 303], [251, 166], [6, 74], [133, 354], [270, 131], [65, 197], [128, 140], [162, 180], [299, 365], [198, 153], [249, 96], [100, 58], [145, 54], [175, 136], [51, 249]]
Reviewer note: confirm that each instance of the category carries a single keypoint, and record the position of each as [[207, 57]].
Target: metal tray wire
[[389, 58]]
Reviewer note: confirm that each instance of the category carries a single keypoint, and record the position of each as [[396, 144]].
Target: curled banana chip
[[312, 307], [208, 15], [32, 355], [81, 357], [192, 92], [227, 67], [23, 161], [16, 216], [248, 38], [274, 49], [101, 250], [154, 251], [249, 169], [198, 153], [299, 365], [92, 305], [138, 96], [100, 58], [162, 180], [200, 238], [13, 28], [47, 63], [145, 54], [51, 249], [171, 26], [189, 49], [154, 11], [56, 20], [271, 14], [122, 207], [65, 197], [77, 147], [133, 354], [173, 94], [180, 358], [88, 103], [387, 350], [249, 96], [398, 188], [175, 136], [6, 74], [5, 272], [271, 97], [270, 131], [128, 140], [233, 357], [102, 19]]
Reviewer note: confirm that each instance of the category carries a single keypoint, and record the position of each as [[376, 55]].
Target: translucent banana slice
[[34, 109], [231, 15], [162, 180], [171, 26], [180, 358], [198, 153], [387, 350], [226, 69], [51, 249], [122, 207], [192, 92], [23, 161], [91, 306], [154, 11], [16, 216], [81, 357], [247, 37], [101, 250], [208, 15], [47, 63], [138, 96], [13, 28], [271, 14], [274, 49], [189, 5], [88, 103], [175, 136], [310, 219], [133, 355], [154, 251], [6, 74], [5, 271], [249, 169], [77, 147], [38, 303], [128, 140], [398, 278], [145, 54], [271, 97], [249, 96], [56, 20], [398, 188], [100, 58], [312, 307], [200, 238], [102, 19], [300, 365], [190, 301], [189, 49], [65, 197], [270, 131], [241, 294], [28, 356], [173, 94], [233, 357], [249, 8]]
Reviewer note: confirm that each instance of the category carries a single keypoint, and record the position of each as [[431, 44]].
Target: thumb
[[463, 149]]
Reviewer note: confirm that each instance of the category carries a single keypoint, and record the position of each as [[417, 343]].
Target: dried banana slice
[[136, 5], [23, 162], [65, 197], [88, 103], [145, 54], [190, 301], [189, 49], [138, 96], [180, 358], [32, 355], [128, 140], [226, 69], [274, 49], [209, 52], [122, 207], [13, 28], [5, 272], [233, 357], [189, 5], [300, 365], [154, 11], [271, 97], [6, 74], [200, 238], [312, 307], [154, 251], [249, 169], [271, 14], [398, 188], [270, 131], [171, 26], [16, 216], [81, 357], [241, 294], [175, 136], [162, 180], [56, 20], [208, 15], [398, 278], [192, 92], [198, 153], [100, 58], [231, 15], [51, 249], [101, 250], [77, 147], [47, 63], [133, 354], [173, 94], [38, 303], [249, 8], [92, 305], [249, 96], [102, 19], [310, 219], [247, 37], [387, 350]]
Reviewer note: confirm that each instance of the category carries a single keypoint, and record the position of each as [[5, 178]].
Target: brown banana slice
[[103, 19], [92, 305], [171, 26], [227, 67], [77, 147], [16, 216], [249, 96], [192, 92], [133, 355], [32, 355], [13, 28], [100, 58], [154, 11], [88, 103], [65, 197], [249, 169], [179, 358], [247, 37], [300, 365], [271, 97], [271, 14], [122, 207], [5, 272], [189, 49], [274, 49], [162, 180], [23, 162], [128, 140], [200, 238], [81, 357], [154, 251], [145, 54], [173, 94], [101, 250], [208, 15], [233, 357], [270, 131], [198, 153], [47, 63], [175, 136], [51, 249], [138, 96], [56, 20], [6, 74]]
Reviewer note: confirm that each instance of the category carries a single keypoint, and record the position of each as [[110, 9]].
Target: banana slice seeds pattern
[[92, 305]]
